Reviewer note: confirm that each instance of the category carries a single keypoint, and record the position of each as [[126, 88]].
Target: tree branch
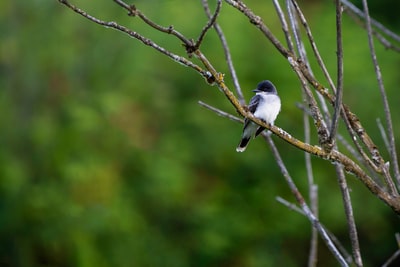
[[349, 216], [133, 11], [353, 10], [339, 87], [210, 23], [227, 53], [307, 211], [393, 153]]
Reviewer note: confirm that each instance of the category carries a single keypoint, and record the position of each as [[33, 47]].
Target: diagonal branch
[[210, 23], [113, 25], [355, 245], [227, 53], [133, 11], [352, 9], [307, 211], [340, 246], [339, 87], [220, 112], [257, 21], [386, 107], [285, 26]]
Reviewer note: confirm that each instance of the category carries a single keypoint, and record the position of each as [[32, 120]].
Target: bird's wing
[[254, 102], [252, 107]]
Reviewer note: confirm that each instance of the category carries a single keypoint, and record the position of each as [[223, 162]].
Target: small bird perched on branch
[[265, 105]]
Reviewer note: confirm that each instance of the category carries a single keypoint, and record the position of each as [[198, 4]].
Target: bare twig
[[319, 122], [289, 205], [307, 211], [257, 21], [381, 38], [388, 117], [144, 40], [297, 35], [383, 134], [285, 27], [339, 87], [133, 11], [227, 53], [395, 255], [313, 194], [210, 23], [357, 154], [392, 259], [313, 45], [220, 112], [341, 248], [349, 7], [292, 8], [359, 158], [349, 215]]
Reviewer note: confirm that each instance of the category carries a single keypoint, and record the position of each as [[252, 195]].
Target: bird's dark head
[[265, 86]]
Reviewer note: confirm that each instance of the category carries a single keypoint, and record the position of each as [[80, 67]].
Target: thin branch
[[284, 24], [341, 248], [313, 194], [395, 255], [356, 131], [307, 211], [220, 112], [313, 45], [289, 205], [297, 35], [393, 153], [384, 41], [133, 11], [257, 21], [319, 122], [383, 134], [349, 215], [210, 23], [291, 8], [355, 10], [359, 158], [392, 259], [357, 154], [144, 40], [227, 53], [339, 87]]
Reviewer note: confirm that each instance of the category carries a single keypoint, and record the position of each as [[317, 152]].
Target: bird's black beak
[[256, 90]]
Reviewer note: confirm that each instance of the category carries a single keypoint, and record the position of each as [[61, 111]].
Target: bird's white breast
[[268, 108]]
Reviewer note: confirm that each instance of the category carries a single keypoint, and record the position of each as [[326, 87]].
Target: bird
[[265, 105]]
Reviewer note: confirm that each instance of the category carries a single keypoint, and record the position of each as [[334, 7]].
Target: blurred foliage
[[108, 160]]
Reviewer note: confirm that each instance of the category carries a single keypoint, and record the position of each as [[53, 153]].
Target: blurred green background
[[106, 159]]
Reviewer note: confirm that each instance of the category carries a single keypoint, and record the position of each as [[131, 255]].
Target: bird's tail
[[243, 144]]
